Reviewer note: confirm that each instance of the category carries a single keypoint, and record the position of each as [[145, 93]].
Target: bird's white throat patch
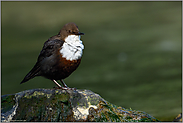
[[72, 48]]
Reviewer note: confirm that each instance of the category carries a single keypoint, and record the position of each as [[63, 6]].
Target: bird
[[60, 56]]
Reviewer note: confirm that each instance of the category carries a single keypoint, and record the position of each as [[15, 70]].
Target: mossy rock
[[178, 118], [56, 105]]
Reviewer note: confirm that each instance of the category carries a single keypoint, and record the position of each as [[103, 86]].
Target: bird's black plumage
[[50, 63], [46, 60]]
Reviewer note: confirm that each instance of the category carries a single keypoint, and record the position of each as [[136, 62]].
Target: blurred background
[[132, 54]]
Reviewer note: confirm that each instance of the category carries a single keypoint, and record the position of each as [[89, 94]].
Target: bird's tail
[[34, 72]]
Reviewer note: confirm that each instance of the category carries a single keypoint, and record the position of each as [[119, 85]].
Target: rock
[[178, 118], [56, 105]]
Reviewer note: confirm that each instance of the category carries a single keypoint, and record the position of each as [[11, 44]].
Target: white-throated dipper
[[60, 56]]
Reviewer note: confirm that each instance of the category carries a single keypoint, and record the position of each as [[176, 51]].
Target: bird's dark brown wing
[[34, 72], [48, 49]]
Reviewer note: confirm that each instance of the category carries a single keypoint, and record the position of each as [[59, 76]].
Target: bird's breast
[[72, 48], [66, 67]]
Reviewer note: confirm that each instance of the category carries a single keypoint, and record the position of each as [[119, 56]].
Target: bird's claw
[[64, 88]]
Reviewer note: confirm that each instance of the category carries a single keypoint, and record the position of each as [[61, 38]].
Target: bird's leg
[[65, 86], [57, 83], [59, 86], [63, 83]]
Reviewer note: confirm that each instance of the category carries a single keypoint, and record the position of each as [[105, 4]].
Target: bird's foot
[[67, 88], [64, 88]]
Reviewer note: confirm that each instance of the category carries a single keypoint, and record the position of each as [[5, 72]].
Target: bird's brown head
[[69, 29]]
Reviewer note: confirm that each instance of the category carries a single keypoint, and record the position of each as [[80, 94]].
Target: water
[[132, 54]]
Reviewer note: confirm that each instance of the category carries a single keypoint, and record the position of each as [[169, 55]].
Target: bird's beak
[[80, 33]]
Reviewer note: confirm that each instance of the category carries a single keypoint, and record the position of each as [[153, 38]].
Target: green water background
[[132, 54]]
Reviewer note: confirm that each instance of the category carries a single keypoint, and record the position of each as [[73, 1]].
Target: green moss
[[36, 94], [41, 106], [111, 113], [94, 100], [103, 118], [7, 103], [59, 106]]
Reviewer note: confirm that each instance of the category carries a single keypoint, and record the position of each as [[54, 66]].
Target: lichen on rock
[[54, 105]]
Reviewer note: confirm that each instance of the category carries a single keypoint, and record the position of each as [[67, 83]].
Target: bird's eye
[[70, 31]]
